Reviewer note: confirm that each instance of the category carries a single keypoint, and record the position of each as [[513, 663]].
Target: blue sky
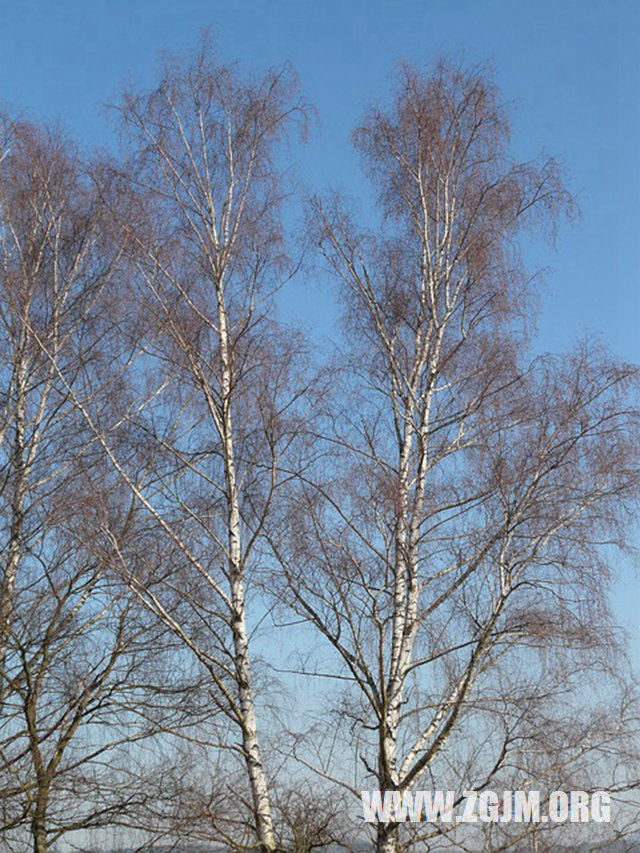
[[570, 69]]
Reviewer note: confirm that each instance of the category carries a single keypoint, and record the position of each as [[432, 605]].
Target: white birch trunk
[[250, 743], [10, 573]]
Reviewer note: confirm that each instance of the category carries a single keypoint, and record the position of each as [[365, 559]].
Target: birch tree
[[200, 215], [461, 520], [75, 651], [47, 280]]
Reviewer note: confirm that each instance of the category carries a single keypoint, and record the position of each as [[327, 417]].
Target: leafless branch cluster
[[426, 522]]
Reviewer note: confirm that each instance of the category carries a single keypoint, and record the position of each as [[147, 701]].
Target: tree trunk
[[38, 823], [250, 744], [17, 516]]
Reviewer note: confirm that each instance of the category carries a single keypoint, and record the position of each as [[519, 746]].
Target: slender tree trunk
[[387, 841], [39, 834], [39, 820], [405, 612], [17, 517], [250, 743]]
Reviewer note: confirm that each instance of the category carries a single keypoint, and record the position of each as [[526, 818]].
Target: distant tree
[[453, 546]]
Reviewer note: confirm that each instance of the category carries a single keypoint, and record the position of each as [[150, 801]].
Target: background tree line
[[426, 517]]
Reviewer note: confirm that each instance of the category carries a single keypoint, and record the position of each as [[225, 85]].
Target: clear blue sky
[[571, 67]]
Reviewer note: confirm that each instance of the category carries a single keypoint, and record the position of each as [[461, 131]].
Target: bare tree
[[90, 683], [48, 282], [220, 394], [79, 658], [461, 522]]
